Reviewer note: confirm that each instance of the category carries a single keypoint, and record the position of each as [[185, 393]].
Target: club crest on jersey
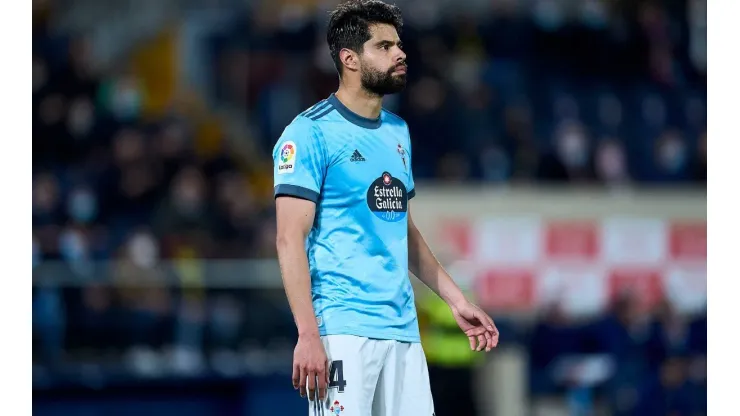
[[286, 158], [387, 198], [336, 408], [402, 153]]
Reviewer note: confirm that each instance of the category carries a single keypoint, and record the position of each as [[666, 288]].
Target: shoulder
[[310, 118], [309, 122], [301, 123], [324, 122], [301, 132], [320, 118], [316, 111]]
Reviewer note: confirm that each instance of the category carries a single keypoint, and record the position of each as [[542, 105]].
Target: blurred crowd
[[112, 184], [612, 95], [567, 91], [637, 360]]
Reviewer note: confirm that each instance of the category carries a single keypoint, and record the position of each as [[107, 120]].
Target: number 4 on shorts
[[336, 376]]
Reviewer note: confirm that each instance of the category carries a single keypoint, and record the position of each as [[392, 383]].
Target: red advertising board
[[523, 263]]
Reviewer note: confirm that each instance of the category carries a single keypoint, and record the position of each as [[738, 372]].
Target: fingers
[[317, 381], [475, 331], [491, 330], [489, 341], [322, 381], [481, 339], [485, 320], [481, 342], [302, 382], [296, 376], [311, 386]]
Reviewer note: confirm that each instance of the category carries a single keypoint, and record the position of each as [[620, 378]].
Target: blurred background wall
[[560, 151]]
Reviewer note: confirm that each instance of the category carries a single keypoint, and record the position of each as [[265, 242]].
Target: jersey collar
[[352, 117]]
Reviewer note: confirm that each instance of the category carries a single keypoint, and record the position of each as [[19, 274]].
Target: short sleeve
[[412, 186], [299, 161]]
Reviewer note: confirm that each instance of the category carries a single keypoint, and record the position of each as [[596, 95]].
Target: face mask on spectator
[[128, 103], [611, 163], [594, 14], [188, 196], [124, 99], [72, 246], [82, 206], [494, 164], [548, 14], [672, 155], [573, 150], [80, 118], [143, 250]]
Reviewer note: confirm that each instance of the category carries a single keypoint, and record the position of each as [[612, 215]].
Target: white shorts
[[371, 377]]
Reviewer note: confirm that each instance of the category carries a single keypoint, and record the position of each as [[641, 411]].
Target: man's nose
[[401, 56]]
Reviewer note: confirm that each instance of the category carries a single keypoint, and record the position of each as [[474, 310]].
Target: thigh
[[355, 363], [403, 385]]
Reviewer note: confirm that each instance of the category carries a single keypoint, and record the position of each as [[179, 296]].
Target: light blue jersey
[[358, 172]]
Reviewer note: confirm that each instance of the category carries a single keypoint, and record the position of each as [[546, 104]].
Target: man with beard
[[345, 238]]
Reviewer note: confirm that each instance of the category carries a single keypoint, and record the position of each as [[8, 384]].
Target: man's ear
[[349, 59]]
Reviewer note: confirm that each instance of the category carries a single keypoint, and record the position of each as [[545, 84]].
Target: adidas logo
[[356, 157]]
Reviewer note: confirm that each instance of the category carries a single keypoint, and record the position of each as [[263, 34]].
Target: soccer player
[[346, 240]]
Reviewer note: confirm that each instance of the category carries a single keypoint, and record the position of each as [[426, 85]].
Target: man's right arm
[[299, 170], [310, 365], [294, 221]]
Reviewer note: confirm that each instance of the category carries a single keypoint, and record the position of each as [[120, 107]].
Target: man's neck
[[360, 101]]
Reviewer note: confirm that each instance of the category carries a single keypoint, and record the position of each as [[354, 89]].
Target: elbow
[[285, 240], [281, 242]]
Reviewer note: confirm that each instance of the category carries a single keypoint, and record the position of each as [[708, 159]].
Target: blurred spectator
[[432, 133], [554, 336], [610, 163], [49, 322], [82, 206], [46, 206], [187, 210], [670, 334], [623, 334], [671, 157], [519, 140], [571, 158], [144, 295], [668, 393]]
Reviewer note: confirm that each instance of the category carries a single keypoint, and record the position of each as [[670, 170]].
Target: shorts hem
[[372, 335]]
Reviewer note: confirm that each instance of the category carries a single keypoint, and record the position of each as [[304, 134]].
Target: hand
[[477, 325], [310, 367]]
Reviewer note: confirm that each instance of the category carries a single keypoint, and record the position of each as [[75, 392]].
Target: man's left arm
[[476, 324]]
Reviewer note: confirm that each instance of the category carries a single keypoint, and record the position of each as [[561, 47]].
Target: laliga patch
[[387, 198], [286, 158]]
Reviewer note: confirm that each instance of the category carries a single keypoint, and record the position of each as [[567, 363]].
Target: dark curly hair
[[349, 25]]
